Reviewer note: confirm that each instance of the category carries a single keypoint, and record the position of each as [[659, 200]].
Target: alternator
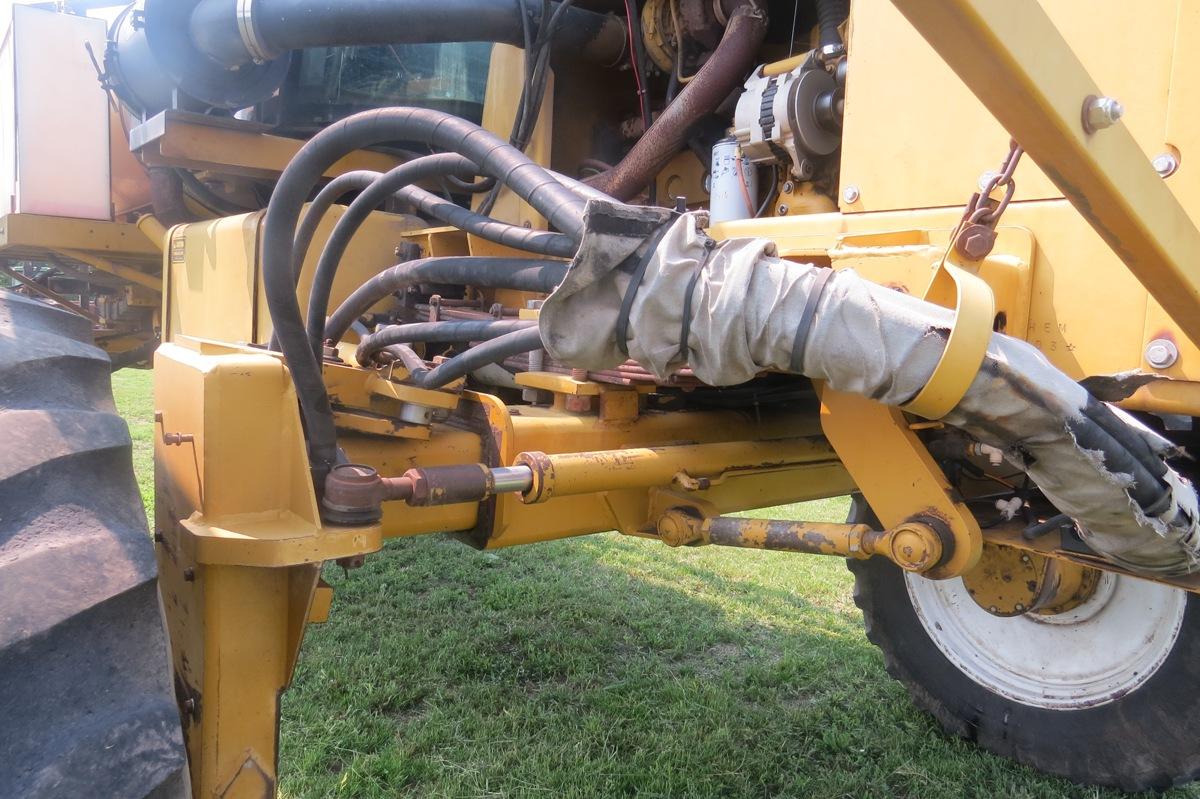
[[792, 117]]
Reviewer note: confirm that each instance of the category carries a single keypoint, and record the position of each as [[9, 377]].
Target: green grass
[[133, 391], [606, 667]]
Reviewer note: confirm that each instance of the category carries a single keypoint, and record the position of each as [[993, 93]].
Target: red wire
[[633, 60]]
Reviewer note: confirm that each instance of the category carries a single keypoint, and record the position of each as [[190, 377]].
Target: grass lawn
[[605, 667]]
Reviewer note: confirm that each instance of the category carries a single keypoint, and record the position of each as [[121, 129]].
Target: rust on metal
[[914, 545], [450, 485], [720, 75]]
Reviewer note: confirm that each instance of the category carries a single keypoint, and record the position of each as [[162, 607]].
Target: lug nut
[[1100, 113], [1162, 353]]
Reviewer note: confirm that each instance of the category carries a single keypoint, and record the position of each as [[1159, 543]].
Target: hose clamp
[[257, 49]]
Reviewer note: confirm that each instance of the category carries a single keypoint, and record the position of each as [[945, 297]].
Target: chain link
[[976, 233], [980, 210]]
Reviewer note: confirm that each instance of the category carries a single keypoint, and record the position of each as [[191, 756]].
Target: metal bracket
[[955, 287], [897, 475]]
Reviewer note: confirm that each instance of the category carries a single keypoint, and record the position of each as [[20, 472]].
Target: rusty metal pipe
[[916, 545], [721, 74]]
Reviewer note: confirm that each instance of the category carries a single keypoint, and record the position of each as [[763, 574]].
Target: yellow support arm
[[1014, 59]]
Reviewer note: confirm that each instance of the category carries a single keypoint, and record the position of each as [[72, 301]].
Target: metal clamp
[[955, 287], [258, 50]]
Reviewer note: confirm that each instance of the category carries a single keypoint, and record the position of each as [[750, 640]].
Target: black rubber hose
[[449, 332], [397, 181], [831, 14], [276, 26], [372, 197], [542, 242], [437, 129], [491, 351], [522, 274]]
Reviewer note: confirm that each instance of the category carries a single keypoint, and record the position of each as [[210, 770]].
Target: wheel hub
[[1095, 652]]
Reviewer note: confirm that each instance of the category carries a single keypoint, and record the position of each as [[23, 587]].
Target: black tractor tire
[[1145, 739], [86, 703]]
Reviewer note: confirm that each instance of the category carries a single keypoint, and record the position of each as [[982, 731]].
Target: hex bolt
[[782, 210], [1100, 113], [788, 186], [1165, 164], [851, 194], [1162, 353]]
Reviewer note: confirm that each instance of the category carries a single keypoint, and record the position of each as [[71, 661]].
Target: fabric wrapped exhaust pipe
[[743, 305]]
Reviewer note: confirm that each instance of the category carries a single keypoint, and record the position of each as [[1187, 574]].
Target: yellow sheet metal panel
[[916, 137], [210, 279], [1018, 64], [247, 455]]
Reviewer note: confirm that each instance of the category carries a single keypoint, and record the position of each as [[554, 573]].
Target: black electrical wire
[[533, 92], [449, 332], [522, 274], [561, 206]]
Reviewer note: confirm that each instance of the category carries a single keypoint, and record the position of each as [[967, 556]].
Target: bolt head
[[788, 187], [1101, 112], [851, 194], [1165, 164], [782, 210], [1162, 353]]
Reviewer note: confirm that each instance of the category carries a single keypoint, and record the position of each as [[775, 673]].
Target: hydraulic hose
[[371, 197], [492, 351], [721, 74], [542, 242], [449, 332], [225, 32], [522, 274], [388, 184], [437, 129]]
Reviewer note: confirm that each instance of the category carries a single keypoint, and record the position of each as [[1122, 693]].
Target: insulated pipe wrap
[[744, 305]]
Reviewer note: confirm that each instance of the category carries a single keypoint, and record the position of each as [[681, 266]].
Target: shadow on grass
[[612, 667]]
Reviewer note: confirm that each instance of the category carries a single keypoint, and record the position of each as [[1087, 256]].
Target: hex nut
[[1101, 112]]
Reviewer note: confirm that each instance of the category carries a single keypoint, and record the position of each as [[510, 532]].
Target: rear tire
[[86, 704], [1135, 737]]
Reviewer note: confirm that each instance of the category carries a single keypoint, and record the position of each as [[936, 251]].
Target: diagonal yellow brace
[[1016, 62]]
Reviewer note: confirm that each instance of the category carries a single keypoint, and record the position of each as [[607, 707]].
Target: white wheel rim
[[1096, 653]]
